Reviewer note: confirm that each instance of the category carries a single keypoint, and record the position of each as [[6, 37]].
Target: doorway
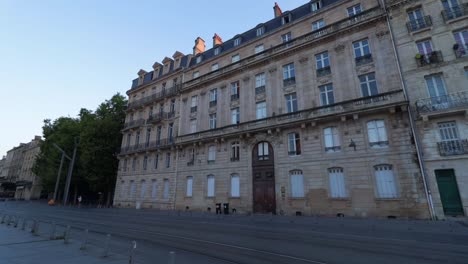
[[449, 194], [263, 174]]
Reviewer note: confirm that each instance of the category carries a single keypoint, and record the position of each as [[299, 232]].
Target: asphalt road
[[208, 238]]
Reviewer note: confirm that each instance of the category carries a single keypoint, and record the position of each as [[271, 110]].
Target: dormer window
[[316, 5], [286, 19], [260, 31], [217, 50], [237, 42], [198, 59]]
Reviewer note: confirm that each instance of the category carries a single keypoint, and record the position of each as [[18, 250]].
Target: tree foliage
[[99, 136]]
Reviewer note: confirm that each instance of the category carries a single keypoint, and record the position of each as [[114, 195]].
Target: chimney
[[217, 40], [199, 46], [277, 10]]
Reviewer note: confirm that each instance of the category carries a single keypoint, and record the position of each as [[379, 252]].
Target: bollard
[[132, 252], [172, 256], [52, 231], [85, 240], [66, 235], [106, 246]]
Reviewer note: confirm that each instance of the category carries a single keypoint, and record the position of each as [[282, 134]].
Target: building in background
[[302, 114], [431, 38]]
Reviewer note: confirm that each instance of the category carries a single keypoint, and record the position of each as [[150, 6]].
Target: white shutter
[[154, 189], [381, 130], [189, 186], [166, 189], [297, 184], [143, 189], [211, 186], [336, 137], [235, 186], [337, 183], [328, 137], [372, 132], [385, 180]]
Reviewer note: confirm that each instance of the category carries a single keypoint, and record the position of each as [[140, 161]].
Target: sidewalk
[[21, 247]]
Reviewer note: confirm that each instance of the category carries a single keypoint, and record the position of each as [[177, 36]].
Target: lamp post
[[69, 175], [64, 155]]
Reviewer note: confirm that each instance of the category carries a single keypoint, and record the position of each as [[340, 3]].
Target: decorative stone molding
[[202, 93], [324, 80], [246, 78], [212, 110], [382, 34], [184, 99], [272, 70], [303, 60], [289, 88], [260, 97], [340, 47], [365, 69], [235, 103]]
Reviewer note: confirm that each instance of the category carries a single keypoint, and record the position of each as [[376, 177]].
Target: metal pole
[[70, 172], [132, 252], [172, 257], [58, 177]]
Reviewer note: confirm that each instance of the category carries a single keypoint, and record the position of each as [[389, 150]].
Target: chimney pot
[[277, 10], [199, 46]]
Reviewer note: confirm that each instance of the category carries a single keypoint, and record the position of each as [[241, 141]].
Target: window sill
[[188, 197], [210, 197], [297, 198], [421, 30], [388, 199], [234, 197], [339, 198]]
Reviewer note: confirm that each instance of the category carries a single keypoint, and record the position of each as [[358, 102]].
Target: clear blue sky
[[58, 56]]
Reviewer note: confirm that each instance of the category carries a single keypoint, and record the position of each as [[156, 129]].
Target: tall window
[[316, 5], [297, 184], [337, 183], [132, 190], [193, 125], [316, 25], [172, 106], [377, 133], [137, 138], [193, 104], [235, 151], [259, 48], [385, 180], [289, 74], [166, 189], [150, 112], [294, 144], [322, 60], [235, 87], [286, 19], [235, 185], [148, 136], [158, 135], [235, 116], [416, 19], [154, 189], [286, 37], [211, 153], [134, 164], [156, 161], [122, 189], [361, 48], [291, 102], [210, 190], [168, 160], [461, 37], [436, 87], [213, 96], [189, 186], [235, 58], [170, 131], [263, 153], [145, 162], [368, 84], [326, 94], [213, 121], [448, 131], [129, 138], [142, 189], [354, 10], [198, 59], [260, 80], [125, 165], [332, 139], [261, 110]]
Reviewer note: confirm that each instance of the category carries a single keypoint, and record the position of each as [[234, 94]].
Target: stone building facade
[[431, 38], [303, 114]]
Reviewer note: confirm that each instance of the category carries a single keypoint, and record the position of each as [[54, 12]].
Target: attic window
[[217, 51], [260, 31], [198, 60], [286, 19], [316, 5], [237, 42]]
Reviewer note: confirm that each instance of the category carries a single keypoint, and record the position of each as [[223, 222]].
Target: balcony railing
[[160, 116], [234, 97], [134, 123], [260, 90], [460, 50], [234, 159], [367, 16], [418, 24], [154, 145], [365, 59], [431, 58], [193, 109], [360, 104], [289, 81], [191, 163], [323, 71], [455, 12], [442, 103], [453, 147], [154, 97], [213, 103]]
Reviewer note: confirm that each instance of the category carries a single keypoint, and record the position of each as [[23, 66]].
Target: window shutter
[[143, 189], [297, 184], [328, 137], [235, 185], [154, 189], [372, 132], [381, 130], [336, 137], [189, 186], [166, 189], [211, 186], [337, 183], [386, 185]]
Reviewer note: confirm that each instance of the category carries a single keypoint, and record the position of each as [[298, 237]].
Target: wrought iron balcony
[[442, 103], [213, 103], [260, 90], [283, 120], [418, 24], [191, 163], [234, 97], [134, 123], [193, 109], [460, 50], [234, 158], [453, 147], [365, 59], [324, 71], [154, 145], [455, 12], [289, 81], [154, 97], [160, 116], [431, 58]]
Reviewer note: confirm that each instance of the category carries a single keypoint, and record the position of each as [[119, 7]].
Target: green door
[[449, 194]]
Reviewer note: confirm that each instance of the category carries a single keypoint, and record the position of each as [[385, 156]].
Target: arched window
[[154, 189], [235, 185], [385, 181], [210, 190], [297, 183], [337, 183], [189, 186], [235, 151], [263, 153], [132, 190], [166, 189], [142, 189]]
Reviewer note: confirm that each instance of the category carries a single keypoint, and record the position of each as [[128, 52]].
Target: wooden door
[[448, 191], [263, 172]]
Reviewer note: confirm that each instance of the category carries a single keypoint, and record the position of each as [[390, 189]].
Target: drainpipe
[[411, 119]]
